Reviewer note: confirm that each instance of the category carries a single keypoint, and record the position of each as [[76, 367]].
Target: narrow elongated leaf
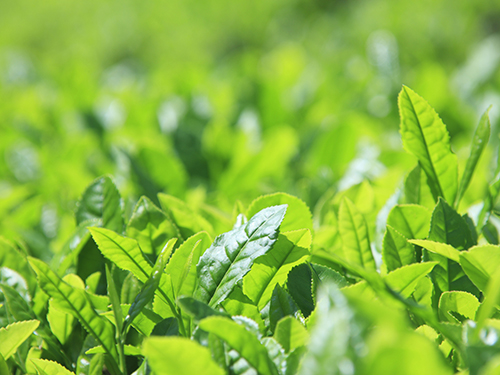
[[354, 233], [74, 301], [480, 263], [298, 217], [151, 227], [122, 251], [12, 336], [179, 356], [149, 288], [291, 249], [291, 334], [479, 142], [443, 249], [396, 251], [425, 136], [232, 254], [243, 341], [101, 200], [50, 367], [463, 303]]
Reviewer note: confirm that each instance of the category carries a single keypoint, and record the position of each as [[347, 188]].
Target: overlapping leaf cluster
[[270, 289]]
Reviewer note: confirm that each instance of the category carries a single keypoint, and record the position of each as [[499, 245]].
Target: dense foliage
[[282, 292]]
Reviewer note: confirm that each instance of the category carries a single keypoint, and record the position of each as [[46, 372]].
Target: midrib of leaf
[[250, 238], [357, 237], [426, 146]]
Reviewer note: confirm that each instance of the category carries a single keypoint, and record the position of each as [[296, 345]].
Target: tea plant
[[281, 291]]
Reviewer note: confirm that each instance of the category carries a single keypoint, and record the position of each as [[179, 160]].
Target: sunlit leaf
[[12, 336]]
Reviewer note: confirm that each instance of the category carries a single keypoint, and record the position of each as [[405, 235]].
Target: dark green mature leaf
[[149, 288], [232, 254], [4, 369], [74, 301], [18, 306], [300, 287], [480, 263], [327, 275], [479, 141], [282, 304], [122, 251], [425, 136], [489, 201], [298, 214], [447, 226], [291, 249], [396, 250], [238, 303], [179, 356], [12, 336], [151, 227], [243, 341], [354, 233], [101, 200]]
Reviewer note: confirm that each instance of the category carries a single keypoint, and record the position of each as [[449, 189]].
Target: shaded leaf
[[291, 334], [282, 304], [300, 287], [197, 309], [396, 251]]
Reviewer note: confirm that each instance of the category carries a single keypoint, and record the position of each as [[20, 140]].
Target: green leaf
[[300, 287], [425, 136], [184, 218], [480, 263], [238, 303], [327, 275], [396, 251], [127, 349], [412, 186], [354, 233], [243, 341], [151, 227], [405, 279], [291, 249], [443, 249], [232, 254], [411, 220], [61, 323], [198, 310], [18, 306], [12, 336], [4, 368], [447, 226], [122, 251], [44, 366], [75, 302], [179, 356], [149, 288], [479, 142], [282, 304], [298, 214], [463, 303], [101, 200], [291, 334]]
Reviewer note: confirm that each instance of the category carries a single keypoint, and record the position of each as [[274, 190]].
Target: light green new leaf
[[425, 136], [124, 252], [463, 303], [354, 233], [396, 251], [291, 249], [480, 263], [101, 200], [291, 334], [479, 142], [443, 249], [405, 279], [232, 254], [412, 186], [298, 214], [12, 336], [127, 350], [61, 323], [243, 341], [179, 356], [47, 367], [149, 288], [411, 220], [75, 302], [151, 227]]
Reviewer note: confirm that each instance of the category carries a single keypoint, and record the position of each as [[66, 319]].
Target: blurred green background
[[220, 101]]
